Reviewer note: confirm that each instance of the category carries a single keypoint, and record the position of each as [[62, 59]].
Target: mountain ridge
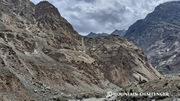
[[92, 35], [158, 36], [120, 33]]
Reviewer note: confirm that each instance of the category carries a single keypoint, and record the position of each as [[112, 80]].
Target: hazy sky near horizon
[[103, 15]]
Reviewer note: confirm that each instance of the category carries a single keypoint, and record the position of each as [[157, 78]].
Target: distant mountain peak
[[92, 34], [115, 32], [49, 16], [44, 8], [119, 32]]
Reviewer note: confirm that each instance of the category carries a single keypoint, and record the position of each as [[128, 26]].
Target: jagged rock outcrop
[[158, 35], [45, 58]]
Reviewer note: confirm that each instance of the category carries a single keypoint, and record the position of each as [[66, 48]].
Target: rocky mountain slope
[[169, 86], [43, 58], [123, 62], [119, 32], [158, 35]]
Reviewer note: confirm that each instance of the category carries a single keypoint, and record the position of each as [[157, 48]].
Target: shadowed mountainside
[[158, 35]]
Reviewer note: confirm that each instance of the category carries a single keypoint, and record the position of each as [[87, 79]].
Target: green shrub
[[142, 81], [56, 99], [178, 87]]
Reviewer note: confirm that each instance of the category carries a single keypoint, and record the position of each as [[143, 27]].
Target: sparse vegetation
[[164, 68], [142, 81], [7, 83], [58, 99], [178, 87]]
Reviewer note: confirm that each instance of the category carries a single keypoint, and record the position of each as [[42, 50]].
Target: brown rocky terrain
[[43, 58], [123, 62]]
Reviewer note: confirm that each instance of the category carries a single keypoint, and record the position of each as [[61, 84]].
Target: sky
[[103, 16]]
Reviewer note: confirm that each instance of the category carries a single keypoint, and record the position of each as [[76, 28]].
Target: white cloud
[[35, 1], [103, 15]]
